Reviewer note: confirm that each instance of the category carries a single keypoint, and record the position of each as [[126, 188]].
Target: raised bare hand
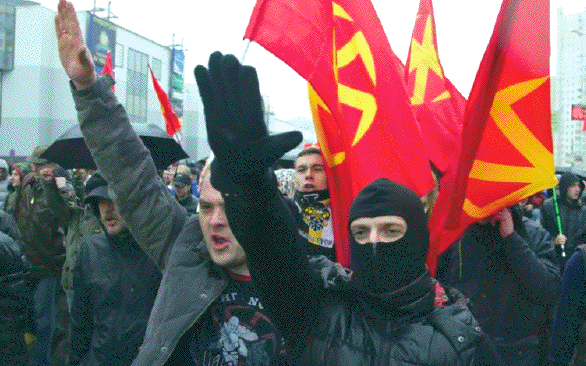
[[503, 219], [74, 54]]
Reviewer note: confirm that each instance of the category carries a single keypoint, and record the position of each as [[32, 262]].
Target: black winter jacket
[[335, 324], [509, 281], [350, 332], [572, 218], [13, 303], [115, 285], [189, 203]]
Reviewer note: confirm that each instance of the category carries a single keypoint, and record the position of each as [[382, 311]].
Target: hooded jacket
[[572, 217], [115, 285], [509, 281]]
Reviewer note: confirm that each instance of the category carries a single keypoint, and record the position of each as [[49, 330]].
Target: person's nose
[[219, 217], [374, 236]]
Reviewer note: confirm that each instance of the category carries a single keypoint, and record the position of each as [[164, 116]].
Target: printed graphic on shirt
[[238, 331], [317, 216]]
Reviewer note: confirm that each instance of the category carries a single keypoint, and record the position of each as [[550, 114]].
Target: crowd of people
[[229, 262]]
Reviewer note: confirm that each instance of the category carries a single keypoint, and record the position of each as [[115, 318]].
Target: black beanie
[[385, 267], [96, 188]]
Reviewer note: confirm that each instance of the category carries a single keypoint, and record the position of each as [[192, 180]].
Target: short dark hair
[[308, 151]]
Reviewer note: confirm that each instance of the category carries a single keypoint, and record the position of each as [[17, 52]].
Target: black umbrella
[[69, 149]]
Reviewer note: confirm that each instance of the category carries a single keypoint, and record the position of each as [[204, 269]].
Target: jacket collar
[[411, 301]]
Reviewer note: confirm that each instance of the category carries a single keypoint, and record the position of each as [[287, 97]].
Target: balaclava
[[385, 267]]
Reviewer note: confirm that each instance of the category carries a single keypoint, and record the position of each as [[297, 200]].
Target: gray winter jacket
[[191, 282]]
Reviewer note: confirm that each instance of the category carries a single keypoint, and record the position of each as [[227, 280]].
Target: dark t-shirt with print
[[235, 331]]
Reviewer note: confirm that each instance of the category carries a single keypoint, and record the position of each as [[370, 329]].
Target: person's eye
[[205, 206], [358, 233], [392, 233]]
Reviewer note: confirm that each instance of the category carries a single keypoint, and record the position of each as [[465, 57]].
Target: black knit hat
[[96, 188], [181, 180], [385, 267]]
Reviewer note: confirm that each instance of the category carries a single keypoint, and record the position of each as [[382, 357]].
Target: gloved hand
[[237, 133]]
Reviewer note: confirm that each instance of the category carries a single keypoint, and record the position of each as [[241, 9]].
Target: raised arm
[[257, 213], [532, 260], [152, 214]]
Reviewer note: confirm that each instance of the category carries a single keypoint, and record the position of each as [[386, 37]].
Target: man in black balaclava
[[385, 311], [388, 242], [572, 215], [326, 317]]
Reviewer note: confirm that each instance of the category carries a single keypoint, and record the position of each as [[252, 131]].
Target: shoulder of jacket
[[457, 324], [8, 245]]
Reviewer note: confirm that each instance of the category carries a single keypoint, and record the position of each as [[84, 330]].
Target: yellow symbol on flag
[[332, 159], [358, 99], [541, 159], [424, 58], [365, 102]]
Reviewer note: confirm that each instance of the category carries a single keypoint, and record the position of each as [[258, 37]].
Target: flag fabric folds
[[506, 147], [362, 114], [108, 68], [172, 123], [438, 105]]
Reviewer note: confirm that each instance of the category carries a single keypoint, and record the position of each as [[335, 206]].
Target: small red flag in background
[[172, 123], [579, 113], [439, 107], [506, 147], [362, 114], [108, 68]]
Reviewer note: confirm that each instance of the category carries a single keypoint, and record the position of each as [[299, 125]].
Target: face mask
[[385, 267]]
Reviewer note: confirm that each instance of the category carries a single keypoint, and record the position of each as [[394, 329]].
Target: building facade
[[569, 88], [35, 102]]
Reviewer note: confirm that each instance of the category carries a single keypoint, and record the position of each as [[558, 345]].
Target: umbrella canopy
[[69, 149]]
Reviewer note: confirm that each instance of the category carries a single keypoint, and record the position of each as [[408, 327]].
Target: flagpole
[[246, 45], [558, 219]]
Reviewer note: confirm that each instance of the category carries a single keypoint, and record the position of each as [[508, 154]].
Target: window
[[137, 86], [157, 66], [119, 55], [7, 18]]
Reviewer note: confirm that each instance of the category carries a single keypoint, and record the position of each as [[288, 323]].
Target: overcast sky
[[463, 30]]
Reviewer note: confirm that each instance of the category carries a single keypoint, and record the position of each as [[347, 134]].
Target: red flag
[[172, 123], [438, 105], [108, 68], [579, 113], [362, 114], [507, 149]]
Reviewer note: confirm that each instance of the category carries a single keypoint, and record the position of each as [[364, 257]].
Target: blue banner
[[178, 61], [101, 39]]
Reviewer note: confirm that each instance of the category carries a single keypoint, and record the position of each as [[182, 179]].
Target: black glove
[[237, 133]]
